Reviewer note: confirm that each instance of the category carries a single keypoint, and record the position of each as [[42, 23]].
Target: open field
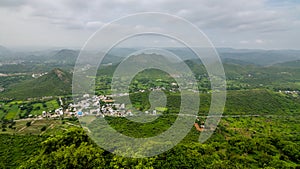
[[51, 126]]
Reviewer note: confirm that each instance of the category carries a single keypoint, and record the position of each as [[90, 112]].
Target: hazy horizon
[[49, 48]]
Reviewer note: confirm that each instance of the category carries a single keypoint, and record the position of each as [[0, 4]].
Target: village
[[293, 92], [99, 106]]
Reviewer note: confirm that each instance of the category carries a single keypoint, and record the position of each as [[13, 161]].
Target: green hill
[[56, 82], [291, 64]]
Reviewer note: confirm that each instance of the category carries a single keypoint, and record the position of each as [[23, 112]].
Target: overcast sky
[[264, 24]]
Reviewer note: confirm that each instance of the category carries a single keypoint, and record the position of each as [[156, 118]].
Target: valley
[[259, 128]]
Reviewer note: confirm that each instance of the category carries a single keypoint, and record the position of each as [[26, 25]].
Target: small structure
[[79, 113], [199, 128], [86, 95], [44, 114], [108, 101], [154, 112], [122, 106]]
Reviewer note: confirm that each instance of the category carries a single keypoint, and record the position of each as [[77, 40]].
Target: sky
[[259, 24]]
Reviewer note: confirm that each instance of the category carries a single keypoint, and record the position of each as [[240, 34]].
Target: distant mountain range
[[116, 55], [260, 57], [291, 64], [228, 55]]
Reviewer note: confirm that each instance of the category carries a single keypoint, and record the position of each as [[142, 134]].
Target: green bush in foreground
[[74, 149]]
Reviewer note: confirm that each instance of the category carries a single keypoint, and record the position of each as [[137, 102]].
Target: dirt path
[[27, 119], [51, 126], [22, 129], [72, 124]]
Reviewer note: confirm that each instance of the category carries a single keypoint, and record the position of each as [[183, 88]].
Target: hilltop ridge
[[55, 82]]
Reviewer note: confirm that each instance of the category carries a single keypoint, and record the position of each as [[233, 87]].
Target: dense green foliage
[[56, 82], [227, 148], [260, 102], [242, 102], [15, 149], [72, 149]]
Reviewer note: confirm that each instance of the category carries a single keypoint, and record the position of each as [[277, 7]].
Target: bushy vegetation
[[15, 149], [227, 148]]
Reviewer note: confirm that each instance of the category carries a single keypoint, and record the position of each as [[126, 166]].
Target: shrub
[[28, 123], [43, 128]]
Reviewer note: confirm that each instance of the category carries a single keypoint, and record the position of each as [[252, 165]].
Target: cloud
[[224, 21], [244, 42], [11, 3], [94, 25], [232, 15], [259, 41]]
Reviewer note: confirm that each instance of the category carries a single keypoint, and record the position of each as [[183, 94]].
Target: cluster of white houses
[[289, 92], [37, 75], [96, 105]]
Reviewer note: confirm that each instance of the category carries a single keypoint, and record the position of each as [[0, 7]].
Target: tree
[[28, 123], [72, 149], [43, 128]]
